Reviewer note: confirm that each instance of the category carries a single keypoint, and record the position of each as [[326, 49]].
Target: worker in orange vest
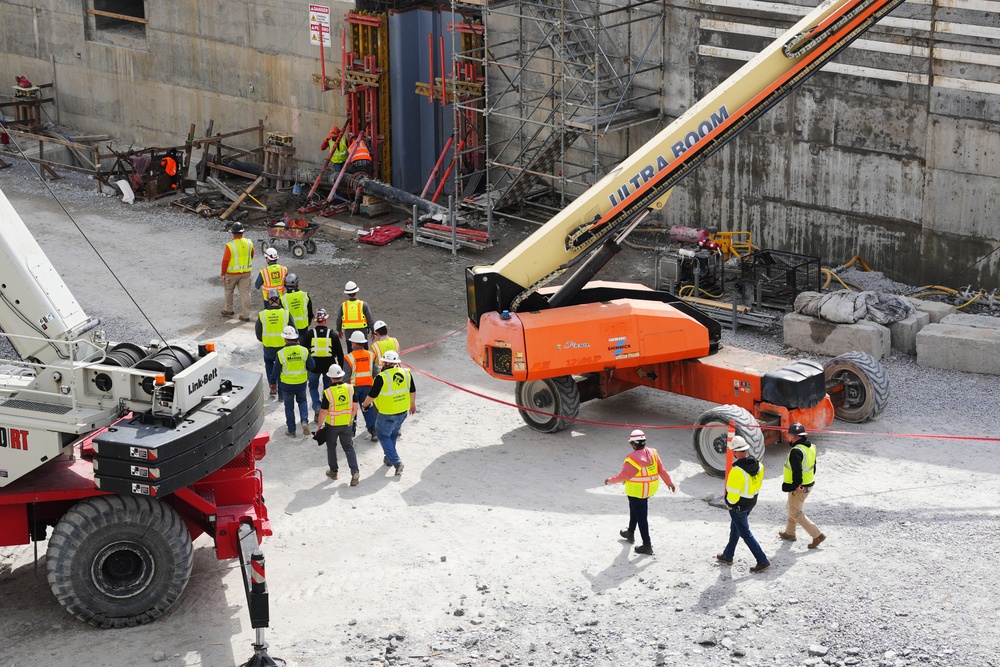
[[169, 164], [360, 364], [361, 161], [641, 472]]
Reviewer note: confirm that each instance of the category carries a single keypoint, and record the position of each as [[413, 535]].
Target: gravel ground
[[499, 545]]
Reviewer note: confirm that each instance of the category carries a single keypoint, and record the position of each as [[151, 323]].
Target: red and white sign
[[319, 25]]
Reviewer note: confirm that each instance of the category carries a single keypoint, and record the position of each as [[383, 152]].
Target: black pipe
[[582, 276], [396, 196]]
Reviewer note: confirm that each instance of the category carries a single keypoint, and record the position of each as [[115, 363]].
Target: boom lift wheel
[[866, 386], [710, 439], [119, 561], [559, 397]]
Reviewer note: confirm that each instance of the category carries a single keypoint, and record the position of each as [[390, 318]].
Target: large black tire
[[710, 437], [558, 397], [119, 561], [866, 386]]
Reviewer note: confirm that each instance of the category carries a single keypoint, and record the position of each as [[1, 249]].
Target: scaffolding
[[567, 81]]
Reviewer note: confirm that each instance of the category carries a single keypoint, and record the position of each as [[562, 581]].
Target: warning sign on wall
[[319, 25]]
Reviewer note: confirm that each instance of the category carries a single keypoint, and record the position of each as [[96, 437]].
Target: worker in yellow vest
[[361, 368], [295, 366], [800, 475], [337, 142], [237, 262], [383, 342], [298, 304], [354, 314], [641, 473], [336, 414], [272, 276], [742, 487], [270, 327], [325, 349], [394, 395]]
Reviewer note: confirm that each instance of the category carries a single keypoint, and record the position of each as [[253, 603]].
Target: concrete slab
[[975, 321], [904, 332], [959, 348], [810, 334], [937, 311]]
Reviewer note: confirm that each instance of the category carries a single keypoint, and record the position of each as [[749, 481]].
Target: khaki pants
[[796, 499], [240, 282]]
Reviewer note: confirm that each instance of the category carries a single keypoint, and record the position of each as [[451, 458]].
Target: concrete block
[[959, 348], [904, 332], [975, 321], [937, 311], [810, 334]]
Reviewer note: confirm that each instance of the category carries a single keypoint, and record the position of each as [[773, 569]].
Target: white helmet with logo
[[271, 254], [380, 325], [390, 357], [637, 436], [335, 372], [290, 333]]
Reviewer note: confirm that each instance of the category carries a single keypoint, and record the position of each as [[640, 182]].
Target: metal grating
[[34, 406]]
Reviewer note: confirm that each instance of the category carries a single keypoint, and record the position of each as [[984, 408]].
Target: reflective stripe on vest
[[293, 364], [352, 314], [384, 345], [362, 152], [394, 397], [646, 480], [274, 279], [321, 345], [296, 303], [240, 260], [339, 398], [361, 368], [272, 323], [340, 155], [808, 464], [740, 484]]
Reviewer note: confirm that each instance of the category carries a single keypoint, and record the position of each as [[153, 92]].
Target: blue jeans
[[314, 388], [295, 393], [271, 365], [387, 430], [360, 394], [739, 526]]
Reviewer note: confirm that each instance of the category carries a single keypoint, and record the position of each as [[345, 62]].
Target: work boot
[[760, 567], [722, 559], [290, 434], [816, 542], [274, 390], [786, 536], [645, 548], [399, 470], [628, 535], [305, 428], [371, 434], [386, 462], [332, 474], [355, 478]]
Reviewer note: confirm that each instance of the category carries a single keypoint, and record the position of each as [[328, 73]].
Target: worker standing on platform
[[295, 366], [360, 368], [271, 277], [326, 351], [354, 314], [641, 473], [270, 329], [742, 486], [383, 342], [800, 475], [395, 396], [237, 262], [297, 303], [338, 411]]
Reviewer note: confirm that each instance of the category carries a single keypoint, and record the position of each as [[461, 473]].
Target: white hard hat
[[358, 337], [351, 287], [335, 372], [290, 332], [637, 436], [271, 253], [738, 444], [380, 325], [390, 357]]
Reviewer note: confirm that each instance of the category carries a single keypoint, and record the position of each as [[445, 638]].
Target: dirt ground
[[499, 545]]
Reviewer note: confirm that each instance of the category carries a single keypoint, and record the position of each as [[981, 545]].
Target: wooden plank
[[198, 143], [230, 170], [721, 305], [204, 156], [229, 194], [246, 193], [112, 15]]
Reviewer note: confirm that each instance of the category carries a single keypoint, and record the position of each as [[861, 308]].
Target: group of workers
[[642, 472], [349, 152]]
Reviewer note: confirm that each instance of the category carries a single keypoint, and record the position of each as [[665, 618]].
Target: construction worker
[[169, 164], [641, 473], [338, 142], [237, 261], [800, 475], [270, 329], [325, 349], [361, 161], [297, 303], [360, 366], [295, 366], [337, 413], [354, 314], [382, 342], [394, 395], [272, 276], [742, 486]]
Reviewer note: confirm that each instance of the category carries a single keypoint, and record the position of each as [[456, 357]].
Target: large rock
[[936, 311], [810, 334], [959, 348], [975, 321], [904, 332]]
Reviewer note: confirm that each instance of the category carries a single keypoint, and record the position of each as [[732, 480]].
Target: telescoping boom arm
[[643, 181]]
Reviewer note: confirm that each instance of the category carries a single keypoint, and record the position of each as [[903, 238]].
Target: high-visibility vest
[[383, 345], [240, 260], [340, 154], [808, 464], [169, 165], [293, 364], [740, 485], [339, 397], [352, 314], [321, 346], [646, 480], [274, 279], [272, 324], [394, 397], [361, 368], [362, 152], [297, 304]]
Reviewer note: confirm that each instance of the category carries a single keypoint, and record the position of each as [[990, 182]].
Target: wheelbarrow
[[299, 237]]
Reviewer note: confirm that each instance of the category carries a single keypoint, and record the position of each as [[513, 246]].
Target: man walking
[[297, 303], [237, 261], [360, 365], [272, 276], [326, 351], [800, 475], [295, 366], [383, 342], [641, 473], [394, 395], [270, 327], [337, 412], [354, 314], [742, 486]]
